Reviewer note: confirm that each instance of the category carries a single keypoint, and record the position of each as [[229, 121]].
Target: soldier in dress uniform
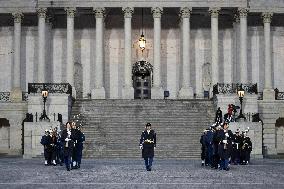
[[236, 147], [46, 142], [68, 145], [225, 147], [79, 146], [75, 135], [147, 145], [246, 150]]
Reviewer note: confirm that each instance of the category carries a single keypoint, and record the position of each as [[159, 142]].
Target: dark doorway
[[142, 80]]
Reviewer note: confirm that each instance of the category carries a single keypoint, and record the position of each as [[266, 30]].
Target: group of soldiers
[[221, 147], [64, 146]]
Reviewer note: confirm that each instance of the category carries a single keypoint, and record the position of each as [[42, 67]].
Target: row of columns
[[186, 90]]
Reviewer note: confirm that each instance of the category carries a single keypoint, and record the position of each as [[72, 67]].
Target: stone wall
[[32, 137], [15, 113], [255, 134]]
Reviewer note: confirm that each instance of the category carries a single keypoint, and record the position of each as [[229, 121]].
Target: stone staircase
[[113, 127]]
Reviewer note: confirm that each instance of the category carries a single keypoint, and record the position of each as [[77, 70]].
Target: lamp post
[[44, 94], [241, 94], [142, 40]]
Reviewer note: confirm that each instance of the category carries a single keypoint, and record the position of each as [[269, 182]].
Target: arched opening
[[142, 79]]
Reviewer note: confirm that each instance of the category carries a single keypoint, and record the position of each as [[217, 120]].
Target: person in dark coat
[[217, 137], [68, 143], [246, 150], [75, 136], [79, 146], [208, 140], [203, 148], [147, 145], [236, 147], [218, 117], [46, 142], [53, 146], [225, 147]]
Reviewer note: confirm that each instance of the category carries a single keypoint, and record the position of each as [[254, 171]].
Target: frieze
[[232, 88], [50, 87], [4, 96]]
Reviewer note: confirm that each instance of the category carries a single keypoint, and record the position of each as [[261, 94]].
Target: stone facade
[[83, 43]]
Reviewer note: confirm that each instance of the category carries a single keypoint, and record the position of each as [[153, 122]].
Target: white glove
[[67, 139], [227, 135], [141, 147], [69, 132], [225, 141]]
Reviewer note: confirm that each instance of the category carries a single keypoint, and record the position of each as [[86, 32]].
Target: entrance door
[[142, 80], [142, 87]]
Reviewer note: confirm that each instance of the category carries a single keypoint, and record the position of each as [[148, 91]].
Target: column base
[[185, 93], [157, 93], [16, 95], [99, 93], [128, 93], [268, 94], [74, 92]]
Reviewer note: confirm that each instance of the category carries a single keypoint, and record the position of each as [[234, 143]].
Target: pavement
[[130, 173]]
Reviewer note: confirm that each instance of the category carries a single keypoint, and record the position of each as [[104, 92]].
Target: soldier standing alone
[[148, 144]]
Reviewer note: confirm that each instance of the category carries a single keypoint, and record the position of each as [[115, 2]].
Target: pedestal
[[99, 93], [268, 94], [128, 93], [16, 95], [185, 93], [157, 93]]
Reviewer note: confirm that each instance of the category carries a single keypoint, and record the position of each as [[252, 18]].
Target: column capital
[[128, 11], [237, 18], [70, 11], [17, 17], [157, 12], [267, 17], [99, 12], [41, 12], [185, 12], [243, 12], [214, 11]]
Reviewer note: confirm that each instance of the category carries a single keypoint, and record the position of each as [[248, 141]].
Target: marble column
[[99, 91], [186, 90], [70, 45], [243, 45], [157, 91], [214, 45], [16, 93], [268, 92], [127, 91], [236, 27], [41, 45]]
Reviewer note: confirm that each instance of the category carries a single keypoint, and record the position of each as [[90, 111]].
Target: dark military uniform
[[46, 142], [79, 147], [148, 142], [246, 150], [224, 149], [67, 147]]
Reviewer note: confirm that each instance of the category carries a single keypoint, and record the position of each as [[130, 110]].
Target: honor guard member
[[68, 145], [147, 145], [46, 142], [53, 146], [236, 147], [75, 135], [79, 146], [225, 147], [203, 148], [246, 150]]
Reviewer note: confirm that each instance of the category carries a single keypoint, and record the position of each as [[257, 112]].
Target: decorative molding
[[157, 12], [17, 16], [41, 12], [99, 12], [237, 18], [70, 11], [214, 11], [243, 12], [128, 11], [185, 12], [50, 87], [267, 17], [4, 96]]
